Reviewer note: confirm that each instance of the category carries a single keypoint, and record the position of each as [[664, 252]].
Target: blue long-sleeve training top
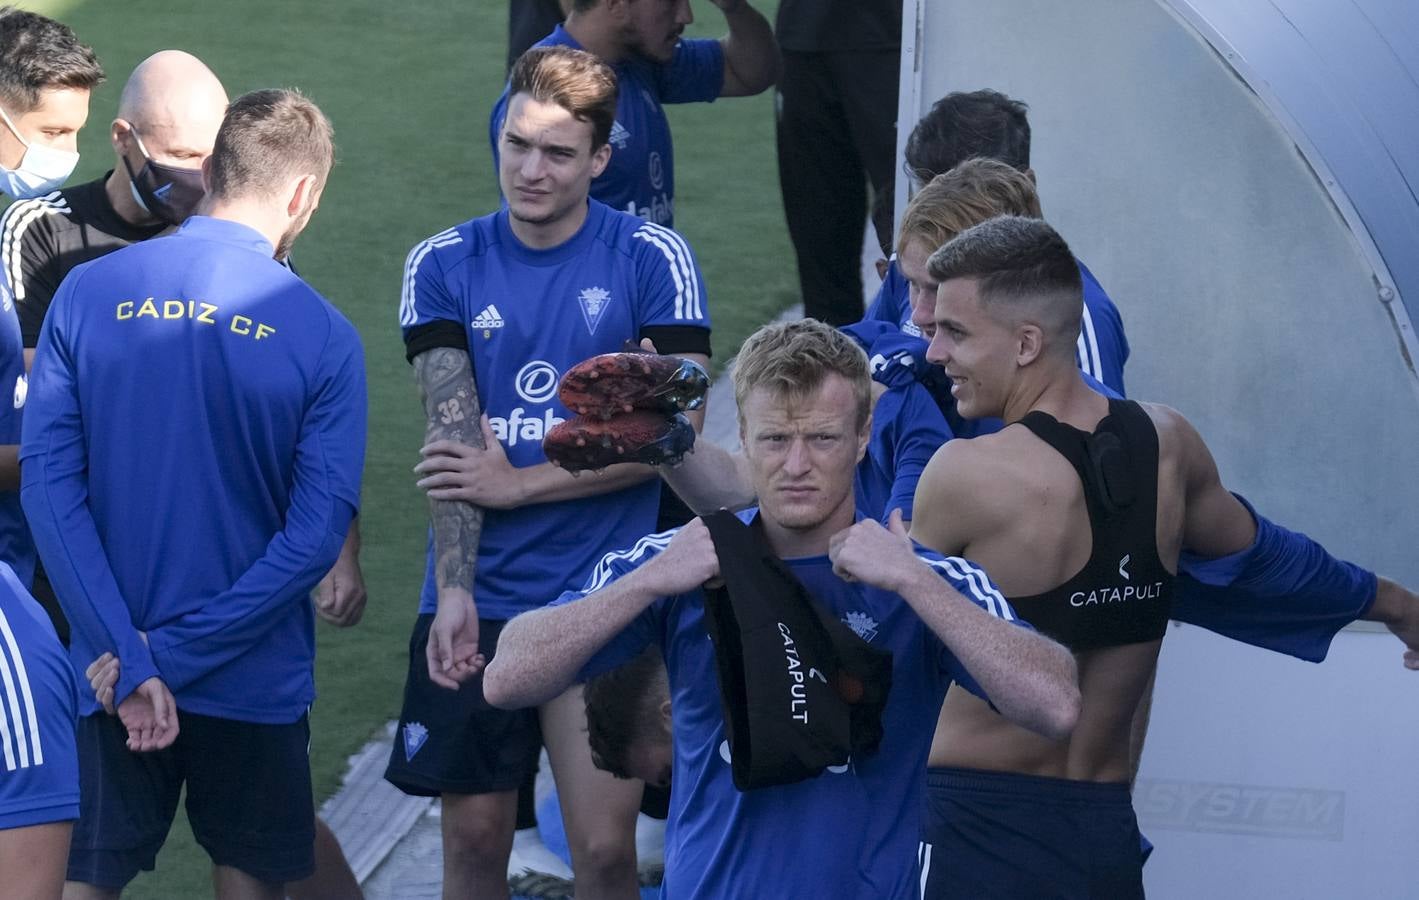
[[192, 449]]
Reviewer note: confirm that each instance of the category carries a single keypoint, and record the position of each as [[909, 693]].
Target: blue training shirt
[[191, 464], [640, 179], [1102, 347], [529, 315], [16, 545], [907, 429], [908, 425], [852, 831], [39, 763]]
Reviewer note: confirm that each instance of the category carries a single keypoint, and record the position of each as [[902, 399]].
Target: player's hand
[[340, 597], [874, 555], [150, 716], [103, 677], [452, 650], [482, 476], [687, 563], [1398, 608]]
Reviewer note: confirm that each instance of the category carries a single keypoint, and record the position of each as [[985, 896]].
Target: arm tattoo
[[445, 377]]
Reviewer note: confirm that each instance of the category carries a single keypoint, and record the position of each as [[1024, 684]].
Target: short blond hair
[[793, 359], [976, 190]]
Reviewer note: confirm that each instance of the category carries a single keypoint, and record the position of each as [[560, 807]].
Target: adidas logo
[[620, 137], [488, 318]]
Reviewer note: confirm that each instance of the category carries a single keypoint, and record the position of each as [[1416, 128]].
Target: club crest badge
[[414, 737], [863, 625], [594, 301]]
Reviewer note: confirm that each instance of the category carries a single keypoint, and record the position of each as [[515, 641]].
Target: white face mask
[[41, 170]]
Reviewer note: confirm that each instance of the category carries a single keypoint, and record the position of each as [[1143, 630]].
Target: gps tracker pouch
[[799, 690]]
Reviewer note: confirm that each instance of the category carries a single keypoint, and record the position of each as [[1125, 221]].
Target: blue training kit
[[527, 316], [191, 457], [853, 831]]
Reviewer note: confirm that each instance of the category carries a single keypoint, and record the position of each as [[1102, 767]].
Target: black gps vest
[[1123, 595]]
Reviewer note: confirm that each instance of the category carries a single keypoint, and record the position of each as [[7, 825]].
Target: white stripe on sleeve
[[12, 696], [977, 582], [407, 314], [22, 676], [1089, 348], [647, 546], [687, 266], [16, 220], [680, 270]]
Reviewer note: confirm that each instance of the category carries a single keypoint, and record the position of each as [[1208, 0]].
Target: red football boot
[[621, 382], [591, 442]]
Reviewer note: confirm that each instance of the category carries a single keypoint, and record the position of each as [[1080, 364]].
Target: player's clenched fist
[[869, 553], [687, 563]]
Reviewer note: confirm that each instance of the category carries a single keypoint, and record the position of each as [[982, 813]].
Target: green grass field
[[408, 87]]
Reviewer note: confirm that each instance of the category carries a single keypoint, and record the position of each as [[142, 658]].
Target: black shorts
[[453, 742], [248, 798], [1006, 836]]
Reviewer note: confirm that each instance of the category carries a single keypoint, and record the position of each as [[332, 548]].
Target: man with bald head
[[167, 120]]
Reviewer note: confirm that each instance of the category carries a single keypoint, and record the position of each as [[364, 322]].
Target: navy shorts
[[453, 742], [1007, 836], [248, 798]]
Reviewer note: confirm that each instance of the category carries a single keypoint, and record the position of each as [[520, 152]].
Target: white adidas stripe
[[22, 676], [977, 582], [5, 741], [681, 261], [687, 261], [688, 257], [680, 293], [448, 238], [1089, 348], [601, 575], [923, 857], [17, 731], [12, 230]]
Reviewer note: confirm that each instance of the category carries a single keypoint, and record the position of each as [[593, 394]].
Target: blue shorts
[[1007, 836], [39, 767], [248, 799], [453, 742]]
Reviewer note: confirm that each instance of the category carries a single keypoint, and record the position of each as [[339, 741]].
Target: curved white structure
[[1241, 176]]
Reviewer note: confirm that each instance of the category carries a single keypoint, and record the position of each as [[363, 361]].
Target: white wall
[[1250, 309]]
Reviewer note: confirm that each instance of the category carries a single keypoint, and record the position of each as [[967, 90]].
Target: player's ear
[[1029, 343], [864, 435], [600, 158], [207, 174], [120, 133], [302, 194]]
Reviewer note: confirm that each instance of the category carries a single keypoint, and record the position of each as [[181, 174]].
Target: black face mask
[[167, 192]]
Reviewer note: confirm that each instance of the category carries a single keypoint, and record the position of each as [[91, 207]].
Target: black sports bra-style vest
[[1123, 595]]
